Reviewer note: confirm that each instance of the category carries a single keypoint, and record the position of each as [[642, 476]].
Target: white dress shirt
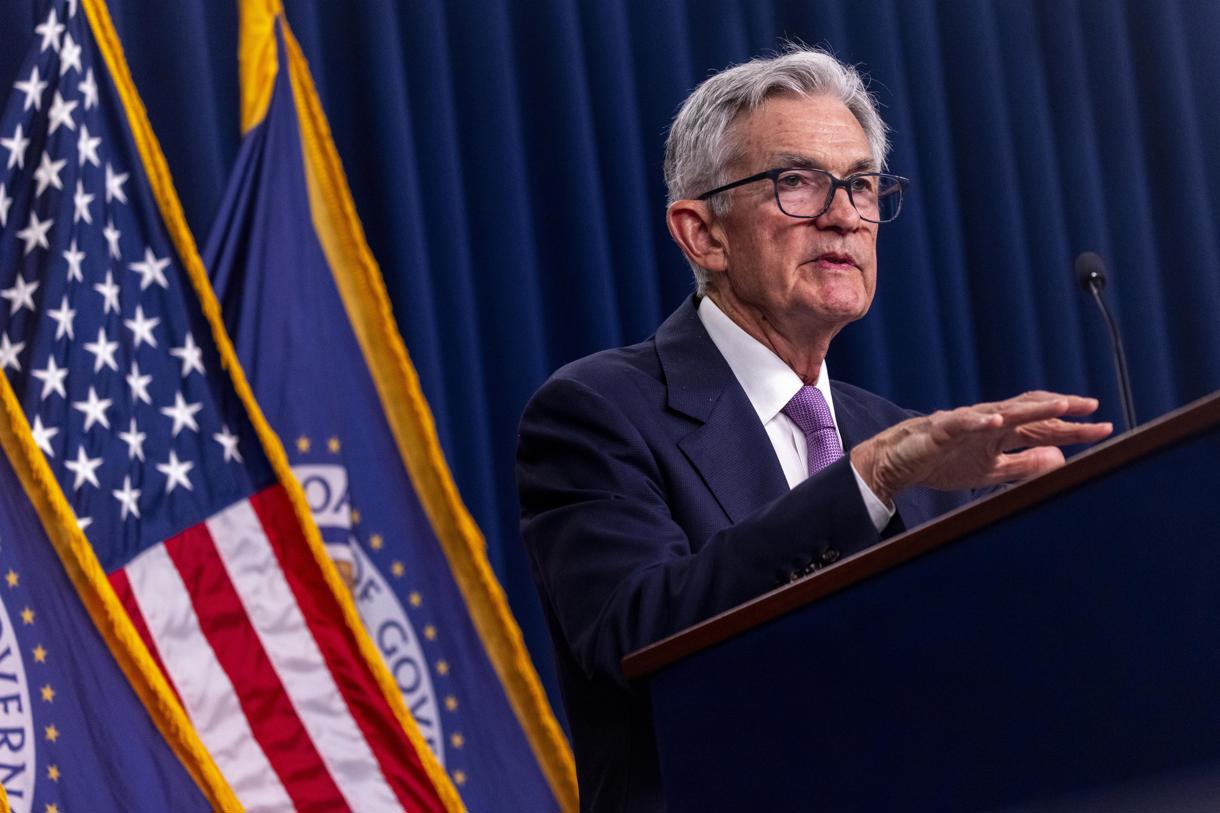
[[769, 383]]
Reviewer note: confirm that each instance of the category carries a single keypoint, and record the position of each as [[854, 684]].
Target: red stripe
[[122, 588], [390, 745], [272, 719]]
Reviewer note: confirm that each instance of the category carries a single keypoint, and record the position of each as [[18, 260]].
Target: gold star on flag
[[53, 773], [12, 578], [302, 444], [48, 694], [398, 569], [355, 516], [430, 632], [415, 598], [451, 703], [459, 777], [332, 445], [442, 668], [40, 654], [27, 616], [457, 740], [52, 808], [376, 542], [52, 732]]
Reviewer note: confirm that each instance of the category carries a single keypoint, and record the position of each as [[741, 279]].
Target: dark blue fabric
[[293, 338], [505, 159]]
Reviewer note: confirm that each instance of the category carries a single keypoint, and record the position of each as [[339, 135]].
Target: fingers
[[1027, 464], [1056, 432]]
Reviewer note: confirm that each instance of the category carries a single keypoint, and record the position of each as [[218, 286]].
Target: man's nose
[[841, 214]]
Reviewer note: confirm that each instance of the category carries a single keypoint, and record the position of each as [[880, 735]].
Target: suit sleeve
[[616, 569]]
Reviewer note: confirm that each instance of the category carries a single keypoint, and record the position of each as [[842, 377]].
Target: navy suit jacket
[[652, 499]]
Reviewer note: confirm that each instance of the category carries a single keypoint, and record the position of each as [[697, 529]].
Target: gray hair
[[701, 145]]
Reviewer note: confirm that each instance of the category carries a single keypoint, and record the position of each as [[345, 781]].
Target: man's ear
[[697, 234]]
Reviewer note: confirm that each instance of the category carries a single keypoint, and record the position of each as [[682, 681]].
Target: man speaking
[[668, 481]]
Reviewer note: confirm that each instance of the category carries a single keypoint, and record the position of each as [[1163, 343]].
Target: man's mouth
[[834, 260]]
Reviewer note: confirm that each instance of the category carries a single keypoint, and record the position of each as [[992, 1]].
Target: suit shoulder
[[874, 403], [608, 371]]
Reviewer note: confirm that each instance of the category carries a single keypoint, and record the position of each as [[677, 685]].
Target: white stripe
[[210, 700], [296, 658]]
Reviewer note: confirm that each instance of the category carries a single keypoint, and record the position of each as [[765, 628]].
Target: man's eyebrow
[[796, 161]]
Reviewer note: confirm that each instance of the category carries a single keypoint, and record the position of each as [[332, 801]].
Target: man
[[668, 481]]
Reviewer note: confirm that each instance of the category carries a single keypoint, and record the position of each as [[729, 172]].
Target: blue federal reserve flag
[[73, 733], [307, 309]]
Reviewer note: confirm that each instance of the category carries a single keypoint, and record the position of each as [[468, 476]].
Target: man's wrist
[[865, 459]]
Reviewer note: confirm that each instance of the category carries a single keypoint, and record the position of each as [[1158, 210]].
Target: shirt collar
[[769, 383]]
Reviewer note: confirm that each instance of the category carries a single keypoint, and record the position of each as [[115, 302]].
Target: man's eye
[[863, 183], [794, 180]]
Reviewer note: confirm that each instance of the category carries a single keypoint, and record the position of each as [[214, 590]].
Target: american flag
[[106, 344]]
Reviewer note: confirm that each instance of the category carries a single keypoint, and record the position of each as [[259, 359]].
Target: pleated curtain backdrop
[[506, 160]]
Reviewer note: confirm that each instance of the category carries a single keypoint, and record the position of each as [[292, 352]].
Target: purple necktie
[[809, 411]]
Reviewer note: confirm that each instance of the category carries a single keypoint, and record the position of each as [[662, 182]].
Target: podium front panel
[[1064, 658]]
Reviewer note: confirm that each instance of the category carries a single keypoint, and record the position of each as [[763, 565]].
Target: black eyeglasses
[[808, 193]]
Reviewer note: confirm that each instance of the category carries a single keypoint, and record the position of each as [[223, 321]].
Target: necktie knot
[[810, 412]]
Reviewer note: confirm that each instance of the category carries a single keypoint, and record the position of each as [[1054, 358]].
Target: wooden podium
[[1054, 647]]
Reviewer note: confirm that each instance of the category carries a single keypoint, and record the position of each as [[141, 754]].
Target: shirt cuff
[[878, 512]]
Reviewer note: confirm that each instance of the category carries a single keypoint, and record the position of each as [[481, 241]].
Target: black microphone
[[1091, 274]]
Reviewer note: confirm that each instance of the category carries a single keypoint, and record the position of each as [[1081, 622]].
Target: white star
[[151, 270], [81, 201], [47, 174], [109, 292], [103, 352], [43, 434], [94, 409], [142, 328], [135, 441], [32, 88], [86, 147], [71, 8], [229, 441], [82, 522], [191, 355], [63, 317], [35, 234], [112, 236], [61, 113], [21, 295], [114, 184], [16, 148], [182, 413], [74, 256], [175, 470], [85, 469], [128, 497], [88, 89], [52, 377], [8, 353], [139, 383], [50, 31], [5, 202], [69, 57]]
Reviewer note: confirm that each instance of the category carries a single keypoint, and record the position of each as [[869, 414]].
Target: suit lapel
[[730, 449]]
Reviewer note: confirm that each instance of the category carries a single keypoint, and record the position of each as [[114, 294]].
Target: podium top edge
[[1173, 427]]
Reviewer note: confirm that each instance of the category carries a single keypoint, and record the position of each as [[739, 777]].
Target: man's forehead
[[818, 132]]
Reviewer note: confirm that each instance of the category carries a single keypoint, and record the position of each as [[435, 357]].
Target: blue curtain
[[505, 159]]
